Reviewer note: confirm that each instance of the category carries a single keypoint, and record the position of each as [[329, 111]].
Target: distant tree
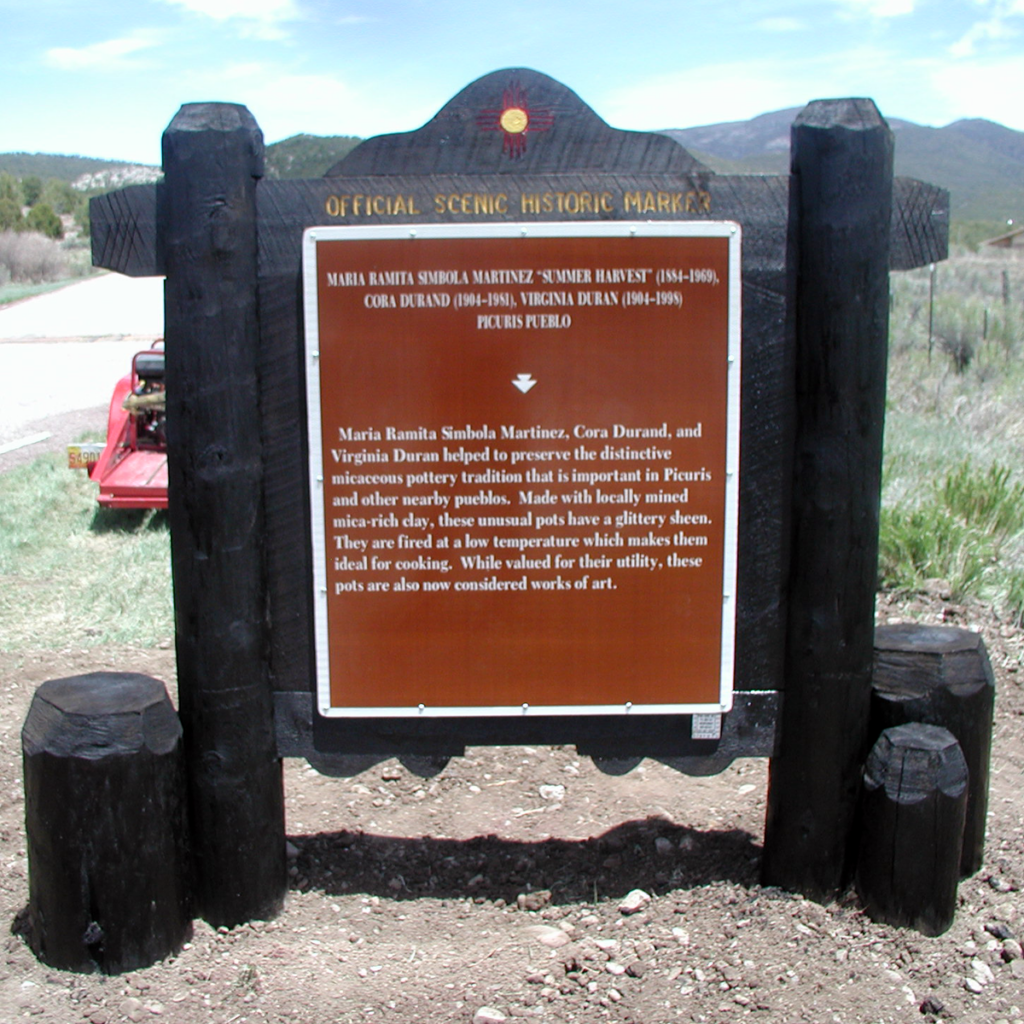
[[31, 189], [10, 189], [82, 220], [60, 196], [10, 215], [307, 156], [41, 218]]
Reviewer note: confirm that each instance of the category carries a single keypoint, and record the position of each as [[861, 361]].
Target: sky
[[103, 78]]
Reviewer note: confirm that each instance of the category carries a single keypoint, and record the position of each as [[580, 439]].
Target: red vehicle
[[131, 468]]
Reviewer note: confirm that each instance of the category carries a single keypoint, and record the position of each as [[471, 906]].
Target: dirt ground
[[407, 896]]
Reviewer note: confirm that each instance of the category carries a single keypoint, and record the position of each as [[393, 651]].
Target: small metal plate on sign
[[706, 727]]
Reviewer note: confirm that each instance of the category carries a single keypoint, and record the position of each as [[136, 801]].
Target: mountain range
[[300, 156], [980, 162]]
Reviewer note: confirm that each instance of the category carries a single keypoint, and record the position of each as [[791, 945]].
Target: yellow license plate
[[82, 456]]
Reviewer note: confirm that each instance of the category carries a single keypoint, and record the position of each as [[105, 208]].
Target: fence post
[[212, 156], [841, 196]]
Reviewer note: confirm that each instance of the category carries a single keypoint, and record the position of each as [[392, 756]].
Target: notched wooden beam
[[920, 224], [124, 231]]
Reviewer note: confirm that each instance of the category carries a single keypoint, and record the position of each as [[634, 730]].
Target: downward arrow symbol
[[524, 381]]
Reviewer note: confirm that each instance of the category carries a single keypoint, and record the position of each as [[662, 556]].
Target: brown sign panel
[[523, 459]]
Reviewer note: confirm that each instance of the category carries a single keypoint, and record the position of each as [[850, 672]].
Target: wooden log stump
[[914, 803], [941, 675], [105, 817]]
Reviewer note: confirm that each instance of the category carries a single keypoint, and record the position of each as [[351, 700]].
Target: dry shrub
[[29, 257]]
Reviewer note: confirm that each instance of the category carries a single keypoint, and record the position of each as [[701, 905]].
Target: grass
[[956, 533], [15, 291], [73, 574], [953, 501]]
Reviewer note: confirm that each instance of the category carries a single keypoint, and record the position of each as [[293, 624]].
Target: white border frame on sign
[[609, 229]]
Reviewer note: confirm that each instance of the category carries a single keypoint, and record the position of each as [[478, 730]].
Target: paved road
[[61, 354]]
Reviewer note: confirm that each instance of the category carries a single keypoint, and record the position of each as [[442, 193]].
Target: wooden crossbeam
[[125, 233]]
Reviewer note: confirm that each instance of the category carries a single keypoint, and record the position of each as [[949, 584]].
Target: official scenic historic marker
[[524, 453]]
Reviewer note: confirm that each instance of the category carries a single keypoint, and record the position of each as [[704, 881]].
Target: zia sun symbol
[[515, 120]]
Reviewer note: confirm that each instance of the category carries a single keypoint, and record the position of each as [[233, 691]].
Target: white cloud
[[780, 25], [931, 90], [991, 29], [109, 55], [986, 88], [1002, 8], [735, 91], [879, 8], [286, 103], [699, 95], [260, 19], [222, 10], [248, 73], [979, 32]]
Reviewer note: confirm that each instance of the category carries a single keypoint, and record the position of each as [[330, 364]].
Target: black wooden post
[[941, 675], [213, 155], [915, 796], [106, 824], [840, 214]]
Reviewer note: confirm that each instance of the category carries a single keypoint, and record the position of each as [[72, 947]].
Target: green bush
[[61, 197], [41, 218], [919, 544], [10, 215], [31, 189], [987, 501], [82, 220], [10, 188], [956, 534], [958, 328]]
